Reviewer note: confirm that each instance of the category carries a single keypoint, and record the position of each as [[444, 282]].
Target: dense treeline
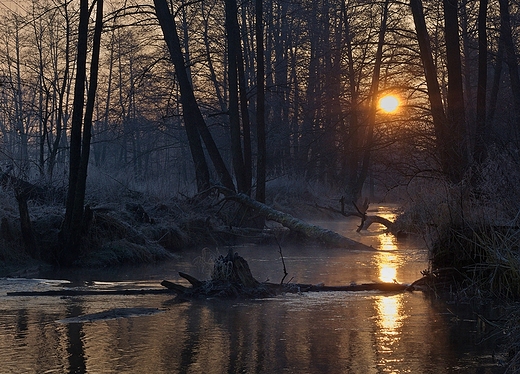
[[198, 93], [326, 63]]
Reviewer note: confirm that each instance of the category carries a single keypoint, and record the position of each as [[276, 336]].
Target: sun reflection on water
[[388, 308], [387, 273], [387, 261]]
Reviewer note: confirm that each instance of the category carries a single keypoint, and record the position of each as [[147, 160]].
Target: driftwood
[[310, 231], [361, 212], [266, 289], [231, 278]]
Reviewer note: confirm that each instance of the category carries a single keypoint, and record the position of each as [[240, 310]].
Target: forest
[[131, 129]]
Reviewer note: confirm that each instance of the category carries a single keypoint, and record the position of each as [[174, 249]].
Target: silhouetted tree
[[75, 220]]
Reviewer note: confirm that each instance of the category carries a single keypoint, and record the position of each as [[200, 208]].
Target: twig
[[283, 261]]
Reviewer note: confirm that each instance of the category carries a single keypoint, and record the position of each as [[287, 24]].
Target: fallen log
[[366, 220], [266, 289], [231, 278], [325, 236]]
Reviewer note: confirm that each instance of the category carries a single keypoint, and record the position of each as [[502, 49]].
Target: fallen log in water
[[231, 278], [266, 289], [325, 236]]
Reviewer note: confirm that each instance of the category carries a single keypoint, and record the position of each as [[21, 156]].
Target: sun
[[389, 103]]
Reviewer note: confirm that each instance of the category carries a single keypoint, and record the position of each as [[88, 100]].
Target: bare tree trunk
[[497, 76], [449, 132], [457, 142], [374, 92], [71, 227], [511, 59], [62, 108], [246, 125], [74, 223], [211, 68], [234, 50], [481, 132], [193, 120], [351, 137], [87, 121], [260, 104]]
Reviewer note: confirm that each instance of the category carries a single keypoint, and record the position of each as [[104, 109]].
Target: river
[[329, 332]]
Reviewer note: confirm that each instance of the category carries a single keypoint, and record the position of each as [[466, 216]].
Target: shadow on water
[[75, 349], [333, 332]]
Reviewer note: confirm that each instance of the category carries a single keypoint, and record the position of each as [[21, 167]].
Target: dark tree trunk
[[260, 104], [457, 147], [81, 132], [507, 38], [481, 132], [87, 121], [234, 50], [187, 98], [71, 227], [351, 137], [450, 142], [497, 76], [26, 226], [374, 92], [246, 125], [193, 120]]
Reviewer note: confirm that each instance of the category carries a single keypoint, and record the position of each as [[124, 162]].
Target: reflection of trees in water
[[75, 344], [221, 336], [21, 323]]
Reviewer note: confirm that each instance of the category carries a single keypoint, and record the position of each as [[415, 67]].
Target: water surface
[[336, 332]]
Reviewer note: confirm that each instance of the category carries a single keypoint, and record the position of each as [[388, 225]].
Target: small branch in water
[[283, 261]]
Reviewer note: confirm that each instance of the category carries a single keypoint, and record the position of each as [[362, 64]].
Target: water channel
[[330, 332]]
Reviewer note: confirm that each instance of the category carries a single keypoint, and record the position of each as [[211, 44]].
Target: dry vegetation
[[136, 222]]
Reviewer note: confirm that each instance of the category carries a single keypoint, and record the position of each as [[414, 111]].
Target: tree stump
[[235, 269], [231, 278]]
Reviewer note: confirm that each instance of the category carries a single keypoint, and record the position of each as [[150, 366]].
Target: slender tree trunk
[[352, 135], [434, 92], [193, 120], [79, 202], [450, 142], [457, 142], [233, 38], [497, 76], [260, 104], [61, 99], [374, 96], [209, 61], [511, 59], [246, 126], [481, 132], [71, 227]]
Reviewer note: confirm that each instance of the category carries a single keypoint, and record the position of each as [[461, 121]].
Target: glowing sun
[[389, 103]]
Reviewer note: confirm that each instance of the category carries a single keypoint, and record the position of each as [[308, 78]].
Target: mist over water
[[333, 332]]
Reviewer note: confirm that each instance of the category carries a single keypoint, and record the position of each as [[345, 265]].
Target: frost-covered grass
[[473, 228]]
